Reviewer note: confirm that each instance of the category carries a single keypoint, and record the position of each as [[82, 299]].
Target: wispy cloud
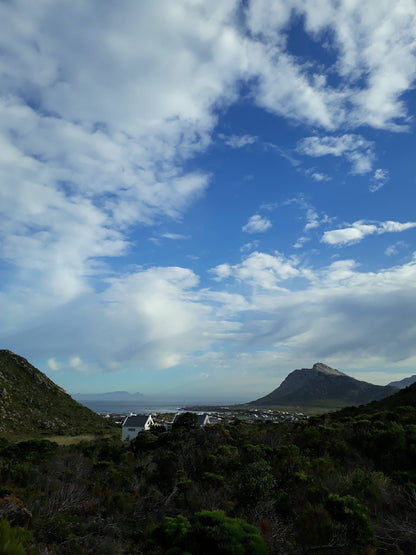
[[269, 206], [319, 176], [357, 150], [283, 152], [175, 236], [238, 141], [313, 218], [250, 246], [394, 249], [380, 178], [300, 242]]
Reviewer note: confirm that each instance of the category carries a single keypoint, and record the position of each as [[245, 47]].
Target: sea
[[127, 407]]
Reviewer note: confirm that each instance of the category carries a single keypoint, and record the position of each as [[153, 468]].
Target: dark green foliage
[[347, 510], [256, 481], [340, 483], [186, 420], [209, 532]]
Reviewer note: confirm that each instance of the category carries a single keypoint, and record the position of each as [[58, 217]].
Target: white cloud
[[319, 176], [357, 150], [221, 271], [347, 235], [149, 319], [358, 230], [53, 365], [94, 128], [93, 140], [75, 362], [257, 224], [376, 61], [261, 269]]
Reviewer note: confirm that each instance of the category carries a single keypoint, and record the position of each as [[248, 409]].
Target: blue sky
[[198, 197]]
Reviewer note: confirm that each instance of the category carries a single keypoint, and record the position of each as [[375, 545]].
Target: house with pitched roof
[[134, 424], [203, 420]]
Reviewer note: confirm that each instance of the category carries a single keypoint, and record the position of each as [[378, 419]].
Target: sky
[[198, 197]]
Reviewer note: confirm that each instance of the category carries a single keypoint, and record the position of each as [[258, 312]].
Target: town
[[132, 423]]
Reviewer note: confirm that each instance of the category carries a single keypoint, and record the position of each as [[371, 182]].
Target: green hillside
[[32, 406]]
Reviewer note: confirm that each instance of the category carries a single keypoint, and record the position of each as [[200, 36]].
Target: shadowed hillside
[[31, 405], [322, 385], [394, 404]]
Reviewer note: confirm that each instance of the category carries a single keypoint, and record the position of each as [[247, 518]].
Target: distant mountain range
[[405, 382], [323, 386], [33, 406], [110, 396]]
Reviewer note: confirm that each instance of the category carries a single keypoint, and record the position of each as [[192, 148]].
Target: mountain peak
[[325, 369]]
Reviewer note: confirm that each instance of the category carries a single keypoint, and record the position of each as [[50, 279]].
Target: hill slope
[[32, 406], [405, 397], [322, 385], [405, 382]]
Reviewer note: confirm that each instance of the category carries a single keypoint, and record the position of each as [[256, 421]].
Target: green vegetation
[[338, 483], [13, 541], [343, 482]]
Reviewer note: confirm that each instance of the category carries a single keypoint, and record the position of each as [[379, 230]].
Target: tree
[[187, 420]]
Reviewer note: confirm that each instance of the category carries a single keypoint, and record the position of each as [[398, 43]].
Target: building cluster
[[136, 423]]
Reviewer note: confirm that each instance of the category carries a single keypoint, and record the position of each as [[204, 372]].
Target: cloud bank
[[100, 122]]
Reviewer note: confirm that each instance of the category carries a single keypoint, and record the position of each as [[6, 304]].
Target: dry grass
[[71, 440]]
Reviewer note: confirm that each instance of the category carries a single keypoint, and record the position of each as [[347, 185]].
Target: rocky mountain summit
[[32, 405], [323, 386]]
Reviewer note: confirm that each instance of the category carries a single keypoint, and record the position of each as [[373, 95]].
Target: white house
[[134, 424], [203, 420]]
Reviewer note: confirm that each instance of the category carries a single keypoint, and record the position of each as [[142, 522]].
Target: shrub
[[13, 541], [209, 532]]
